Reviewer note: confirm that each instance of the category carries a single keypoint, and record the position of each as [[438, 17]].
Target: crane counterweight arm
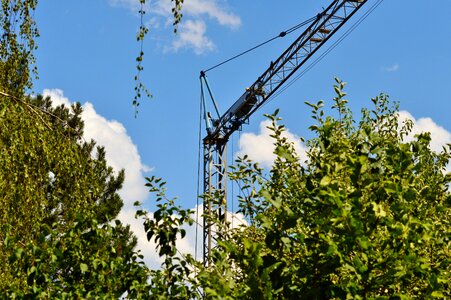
[[319, 31]]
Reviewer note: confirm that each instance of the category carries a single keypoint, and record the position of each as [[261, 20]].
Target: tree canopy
[[57, 193], [58, 196], [366, 216]]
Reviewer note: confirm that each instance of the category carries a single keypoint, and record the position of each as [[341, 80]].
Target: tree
[[366, 216], [57, 199], [88, 260], [17, 43], [57, 193]]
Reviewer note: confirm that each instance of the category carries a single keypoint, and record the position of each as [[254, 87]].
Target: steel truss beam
[[320, 30], [326, 24], [215, 197]]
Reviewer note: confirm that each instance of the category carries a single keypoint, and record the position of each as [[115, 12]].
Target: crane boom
[[321, 29], [279, 71]]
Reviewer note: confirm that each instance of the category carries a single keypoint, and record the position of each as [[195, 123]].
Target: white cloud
[[192, 36], [187, 245], [439, 135], [193, 27], [212, 9], [392, 68], [260, 147], [147, 249], [122, 153]]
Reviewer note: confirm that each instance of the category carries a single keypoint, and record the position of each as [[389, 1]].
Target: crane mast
[[219, 129]]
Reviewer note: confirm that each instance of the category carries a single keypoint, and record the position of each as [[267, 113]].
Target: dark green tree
[[18, 34], [87, 260], [57, 193], [57, 198]]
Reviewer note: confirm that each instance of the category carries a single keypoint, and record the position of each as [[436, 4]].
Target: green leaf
[[438, 294], [325, 181], [83, 267]]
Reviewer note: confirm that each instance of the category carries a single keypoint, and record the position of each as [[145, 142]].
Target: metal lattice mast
[[215, 187], [219, 129]]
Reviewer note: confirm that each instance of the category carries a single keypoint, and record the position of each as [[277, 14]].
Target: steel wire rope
[[241, 192], [232, 212], [198, 170], [240, 188], [325, 53], [280, 35], [309, 67]]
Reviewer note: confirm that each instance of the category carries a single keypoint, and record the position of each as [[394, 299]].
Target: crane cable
[[233, 190], [325, 53], [278, 93], [196, 222], [280, 35], [198, 174]]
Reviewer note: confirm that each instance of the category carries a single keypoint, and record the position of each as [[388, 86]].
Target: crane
[[219, 128]]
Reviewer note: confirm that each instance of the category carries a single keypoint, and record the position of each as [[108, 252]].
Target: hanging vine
[[140, 87]]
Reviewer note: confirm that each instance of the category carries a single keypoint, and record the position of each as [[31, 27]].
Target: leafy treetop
[[367, 216]]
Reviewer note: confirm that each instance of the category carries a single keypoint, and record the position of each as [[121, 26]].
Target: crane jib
[[320, 30], [294, 57]]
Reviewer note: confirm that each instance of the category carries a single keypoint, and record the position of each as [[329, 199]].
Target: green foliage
[[57, 194], [86, 261], [57, 198], [164, 227], [18, 34], [140, 87], [176, 11], [53, 174], [365, 217]]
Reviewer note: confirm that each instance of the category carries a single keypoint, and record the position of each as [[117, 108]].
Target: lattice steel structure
[[320, 30], [215, 192]]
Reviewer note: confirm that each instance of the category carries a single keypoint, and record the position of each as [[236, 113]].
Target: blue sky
[[87, 51]]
